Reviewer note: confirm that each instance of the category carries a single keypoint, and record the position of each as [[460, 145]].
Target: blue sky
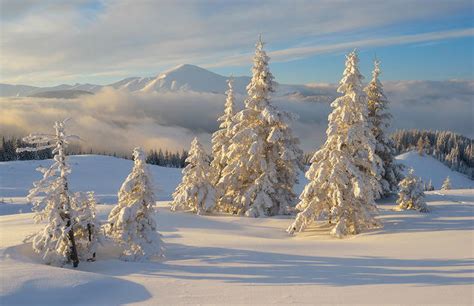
[[429, 60], [51, 42]]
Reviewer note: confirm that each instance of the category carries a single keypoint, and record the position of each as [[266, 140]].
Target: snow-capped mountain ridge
[[184, 77]]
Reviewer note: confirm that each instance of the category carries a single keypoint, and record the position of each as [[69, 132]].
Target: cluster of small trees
[[454, 150], [167, 158], [256, 158], [72, 232]]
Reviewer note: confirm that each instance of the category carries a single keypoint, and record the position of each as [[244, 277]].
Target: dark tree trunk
[[73, 255], [89, 229]]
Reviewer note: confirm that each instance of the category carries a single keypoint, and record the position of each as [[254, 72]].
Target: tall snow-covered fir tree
[[411, 194], [379, 120], [289, 162], [196, 191], [446, 184], [221, 141], [131, 221], [263, 156], [343, 173], [51, 198], [423, 146]]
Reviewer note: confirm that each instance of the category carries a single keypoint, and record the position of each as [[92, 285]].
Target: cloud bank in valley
[[114, 120]]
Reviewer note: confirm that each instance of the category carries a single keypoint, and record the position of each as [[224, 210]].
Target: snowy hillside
[[102, 174], [105, 174], [429, 168], [132, 84], [7, 90]]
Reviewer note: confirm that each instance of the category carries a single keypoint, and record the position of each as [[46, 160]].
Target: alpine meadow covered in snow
[[255, 190]]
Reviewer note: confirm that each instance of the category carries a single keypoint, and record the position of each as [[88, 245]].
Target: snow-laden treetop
[[261, 84], [352, 78]]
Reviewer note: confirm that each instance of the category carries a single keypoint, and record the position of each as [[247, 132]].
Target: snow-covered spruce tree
[[453, 158], [221, 141], [446, 184], [51, 198], [379, 120], [196, 192], [263, 155], [87, 228], [339, 186], [411, 194], [423, 145], [289, 162], [132, 223], [429, 186]]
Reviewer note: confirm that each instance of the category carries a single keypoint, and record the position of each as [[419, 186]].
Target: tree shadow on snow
[[446, 196], [265, 268], [167, 221], [109, 291], [442, 217]]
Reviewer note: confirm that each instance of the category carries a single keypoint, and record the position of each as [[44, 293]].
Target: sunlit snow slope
[[429, 168]]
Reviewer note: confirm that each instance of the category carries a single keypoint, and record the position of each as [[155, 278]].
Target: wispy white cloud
[[46, 41], [290, 54]]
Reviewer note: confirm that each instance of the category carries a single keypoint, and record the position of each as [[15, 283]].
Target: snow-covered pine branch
[[51, 200], [411, 194], [132, 223], [343, 174], [196, 192], [263, 155], [221, 141], [289, 160], [379, 119], [87, 229]]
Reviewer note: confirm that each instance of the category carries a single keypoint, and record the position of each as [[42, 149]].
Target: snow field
[[415, 259]]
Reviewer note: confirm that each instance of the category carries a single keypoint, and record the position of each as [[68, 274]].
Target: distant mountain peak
[[184, 69]]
